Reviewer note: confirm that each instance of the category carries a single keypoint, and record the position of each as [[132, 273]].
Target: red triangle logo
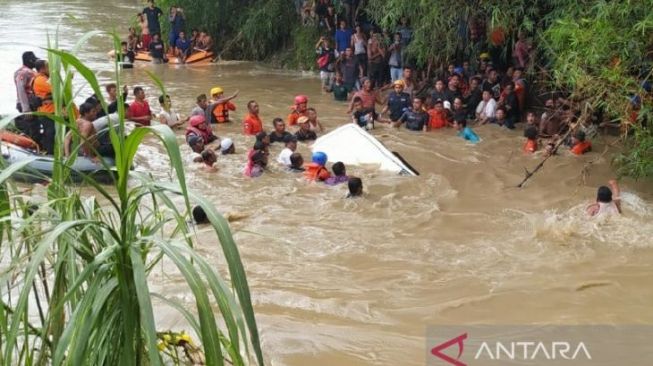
[[437, 350]]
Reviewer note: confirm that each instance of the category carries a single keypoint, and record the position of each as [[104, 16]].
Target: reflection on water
[[355, 282]]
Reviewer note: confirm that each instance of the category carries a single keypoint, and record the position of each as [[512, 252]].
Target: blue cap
[[320, 158]]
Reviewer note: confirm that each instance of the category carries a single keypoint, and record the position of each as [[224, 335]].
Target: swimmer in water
[[199, 215], [355, 186], [209, 159], [608, 200]]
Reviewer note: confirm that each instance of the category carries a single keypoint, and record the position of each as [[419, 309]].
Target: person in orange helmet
[[299, 109]]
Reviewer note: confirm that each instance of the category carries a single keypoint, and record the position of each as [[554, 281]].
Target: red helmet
[[301, 99], [197, 120]]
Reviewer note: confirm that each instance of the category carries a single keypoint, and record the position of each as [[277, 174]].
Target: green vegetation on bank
[[80, 267]]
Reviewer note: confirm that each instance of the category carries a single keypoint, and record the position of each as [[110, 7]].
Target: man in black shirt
[[305, 133], [452, 91], [439, 92], [492, 84], [511, 104], [350, 69], [153, 13], [416, 119], [157, 50], [279, 133], [474, 97]]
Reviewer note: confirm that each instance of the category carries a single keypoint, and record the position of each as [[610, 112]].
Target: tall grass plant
[[77, 269]]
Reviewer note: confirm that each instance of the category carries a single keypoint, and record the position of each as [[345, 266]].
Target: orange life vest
[[316, 172], [581, 148], [252, 124], [530, 146], [294, 116], [221, 112], [437, 118], [43, 90]]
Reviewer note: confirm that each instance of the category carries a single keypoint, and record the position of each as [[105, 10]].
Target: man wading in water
[[608, 200]]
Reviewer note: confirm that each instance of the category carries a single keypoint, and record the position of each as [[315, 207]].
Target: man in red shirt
[[139, 109], [252, 123]]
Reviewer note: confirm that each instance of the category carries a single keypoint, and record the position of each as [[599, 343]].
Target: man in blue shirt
[[183, 47], [343, 37], [153, 13], [416, 119], [398, 101], [465, 132], [177, 21]]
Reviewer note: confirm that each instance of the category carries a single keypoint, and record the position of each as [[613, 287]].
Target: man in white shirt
[[291, 146], [169, 116], [486, 108]]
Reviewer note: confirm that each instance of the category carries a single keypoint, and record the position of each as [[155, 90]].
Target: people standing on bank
[[343, 37], [395, 61], [376, 59], [326, 59], [359, 44], [350, 69]]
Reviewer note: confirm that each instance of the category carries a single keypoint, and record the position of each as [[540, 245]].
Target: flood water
[[356, 282]]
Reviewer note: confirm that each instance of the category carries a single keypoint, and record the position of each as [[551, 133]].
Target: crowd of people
[[34, 94], [366, 68], [147, 36], [360, 65]]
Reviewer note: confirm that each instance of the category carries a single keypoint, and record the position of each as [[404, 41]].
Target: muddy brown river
[[356, 282]]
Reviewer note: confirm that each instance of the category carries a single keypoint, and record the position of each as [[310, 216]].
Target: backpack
[[323, 61]]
